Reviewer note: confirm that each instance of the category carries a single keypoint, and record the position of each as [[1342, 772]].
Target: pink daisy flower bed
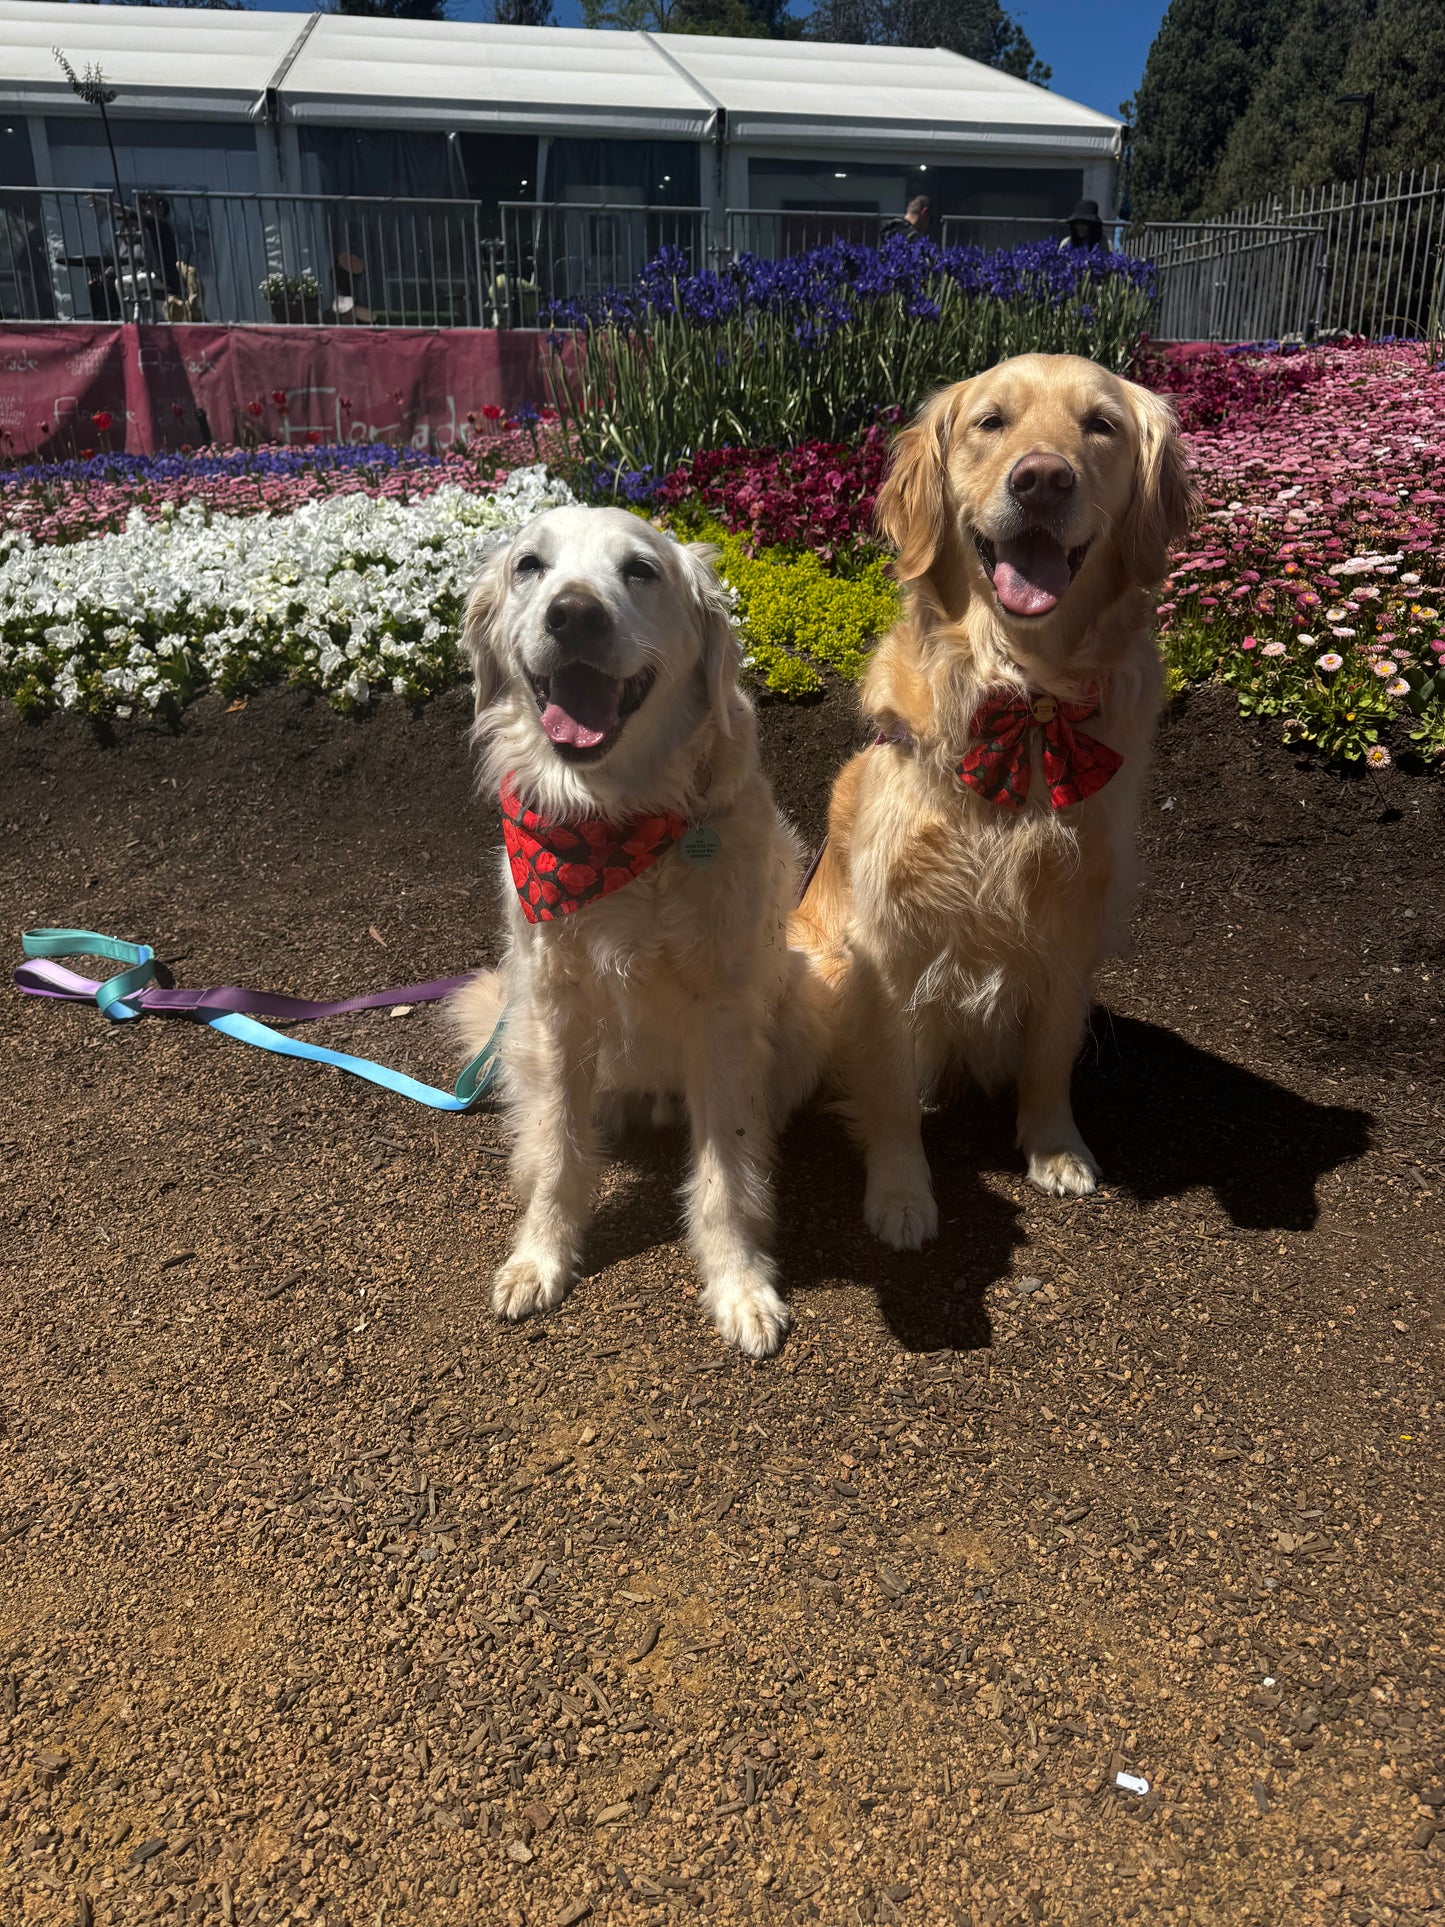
[[1315, 583]]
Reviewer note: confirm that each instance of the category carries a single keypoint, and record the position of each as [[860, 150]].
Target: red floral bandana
[[999, 766], [559, 867]]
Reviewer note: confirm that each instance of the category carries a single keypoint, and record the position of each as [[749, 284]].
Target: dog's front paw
[[899, 1208], [748, 1313], [529, 1282], [1065, 1174]]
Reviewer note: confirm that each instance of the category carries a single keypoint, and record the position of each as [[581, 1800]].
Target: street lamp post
[[1367, 101]]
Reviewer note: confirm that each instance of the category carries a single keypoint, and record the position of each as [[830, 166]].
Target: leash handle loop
[[123, 996]]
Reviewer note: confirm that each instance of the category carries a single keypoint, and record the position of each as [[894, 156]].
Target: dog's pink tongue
[[582, 706], [1030, 574]]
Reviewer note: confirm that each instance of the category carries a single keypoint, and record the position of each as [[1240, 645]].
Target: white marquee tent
[[295, 70], [259, 145]]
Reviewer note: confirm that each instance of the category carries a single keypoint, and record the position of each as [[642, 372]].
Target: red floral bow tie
[[999, 766], [559, 867]]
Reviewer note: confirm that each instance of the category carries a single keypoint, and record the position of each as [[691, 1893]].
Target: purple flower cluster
[[822, 289], [272, 461]]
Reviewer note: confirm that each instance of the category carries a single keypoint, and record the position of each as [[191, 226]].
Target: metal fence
[[80, 255], [1314, 260], [1372, 266], [1226, 283], [564, 251], [69, 254]]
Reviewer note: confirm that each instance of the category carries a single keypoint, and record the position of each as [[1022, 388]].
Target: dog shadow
[[1164, 1117]]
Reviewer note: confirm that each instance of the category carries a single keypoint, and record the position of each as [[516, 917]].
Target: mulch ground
[[322, 1598]]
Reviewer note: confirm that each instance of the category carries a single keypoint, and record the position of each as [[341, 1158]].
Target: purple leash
[[232, 1010]]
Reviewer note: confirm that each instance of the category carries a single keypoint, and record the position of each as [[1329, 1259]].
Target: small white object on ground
[[1131, 1782]]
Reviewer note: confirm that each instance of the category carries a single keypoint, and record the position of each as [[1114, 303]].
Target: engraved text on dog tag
[[702, 844]]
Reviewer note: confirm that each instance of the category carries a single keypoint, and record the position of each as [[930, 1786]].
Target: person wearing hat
[[1086, 230]]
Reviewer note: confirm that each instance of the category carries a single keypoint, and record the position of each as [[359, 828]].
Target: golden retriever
[[979, 861], [648, 881]]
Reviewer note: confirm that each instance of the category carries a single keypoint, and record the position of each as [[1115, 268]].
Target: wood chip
[[537, 1816], [646, 1643], [609, 1816], [579, 1910]]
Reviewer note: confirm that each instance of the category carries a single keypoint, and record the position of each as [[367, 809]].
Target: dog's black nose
[[574, 615], [1040, 480]]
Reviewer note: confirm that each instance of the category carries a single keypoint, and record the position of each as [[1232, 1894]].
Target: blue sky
[[1096, 49]]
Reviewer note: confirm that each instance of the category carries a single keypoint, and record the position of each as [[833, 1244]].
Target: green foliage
[[1274, 143], [393, 9], [979, 29], [647, 400], [1202, 70], [1238, 98], [794, 614]]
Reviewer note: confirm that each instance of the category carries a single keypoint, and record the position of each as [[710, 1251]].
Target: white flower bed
[[346, 596]]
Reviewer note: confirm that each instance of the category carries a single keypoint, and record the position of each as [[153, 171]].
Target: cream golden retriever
[[979, 860], [648, 881]]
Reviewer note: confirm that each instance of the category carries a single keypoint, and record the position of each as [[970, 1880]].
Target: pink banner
[[170, 387]]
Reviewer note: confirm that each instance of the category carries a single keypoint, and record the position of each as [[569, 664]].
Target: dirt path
[[321, 1598]]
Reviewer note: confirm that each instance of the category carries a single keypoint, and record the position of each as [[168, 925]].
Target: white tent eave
[[500, 117], [136, 102], [935, 137]]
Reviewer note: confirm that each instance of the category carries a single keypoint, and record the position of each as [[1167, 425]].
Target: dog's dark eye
[[991, 424], [637, 568], [1098, 425], [530, 565]]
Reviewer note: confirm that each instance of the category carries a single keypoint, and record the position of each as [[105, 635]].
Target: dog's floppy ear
[[721, 657], [1165, 497], [477, 627], [912, 503]]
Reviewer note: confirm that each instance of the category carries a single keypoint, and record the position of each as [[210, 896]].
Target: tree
[[522, 13], [1267, 145], [738, 19], [1206, 61], [1238, 98], [1400, 58], [632, 16], [391, 9], [979, 29]]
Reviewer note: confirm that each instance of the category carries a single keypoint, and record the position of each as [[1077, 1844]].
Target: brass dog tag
[[702, 844]]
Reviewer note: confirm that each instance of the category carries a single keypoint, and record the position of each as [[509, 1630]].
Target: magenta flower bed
[[1212, 387], [817, 496]]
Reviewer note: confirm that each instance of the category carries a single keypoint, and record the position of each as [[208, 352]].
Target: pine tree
[[1400, 58], [391, 9], [522, 13], [979, 29], [1203, 68], [1268, 147]]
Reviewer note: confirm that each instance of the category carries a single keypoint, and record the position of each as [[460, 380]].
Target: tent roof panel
[[350, 71], [158, 59], [922, 85]]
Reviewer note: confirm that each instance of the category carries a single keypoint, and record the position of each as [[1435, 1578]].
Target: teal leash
[[134, 992]]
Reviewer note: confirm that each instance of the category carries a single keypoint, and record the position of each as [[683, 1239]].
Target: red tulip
[[101, 419]]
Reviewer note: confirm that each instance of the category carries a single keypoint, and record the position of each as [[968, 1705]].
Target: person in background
[[1085, 230], [913, 222]]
